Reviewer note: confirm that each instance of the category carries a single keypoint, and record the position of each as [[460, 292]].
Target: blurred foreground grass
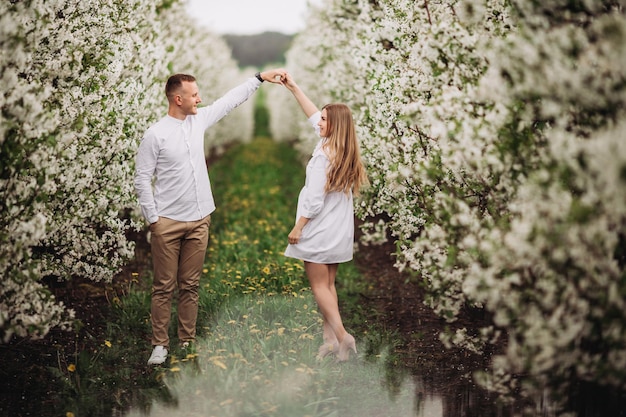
[[259, 325]]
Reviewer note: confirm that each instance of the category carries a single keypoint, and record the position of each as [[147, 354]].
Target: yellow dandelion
[[134, 274], [71, 367], [269, 408], [69, 414], [107, 343], [266, 270], [175, 369], [205, 270], [219, 364], [305, 370]]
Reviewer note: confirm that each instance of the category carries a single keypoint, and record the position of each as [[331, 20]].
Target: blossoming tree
[[493, 135], [81, 81], [207, 57]]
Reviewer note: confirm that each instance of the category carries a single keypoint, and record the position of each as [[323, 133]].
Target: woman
[[323, 235]]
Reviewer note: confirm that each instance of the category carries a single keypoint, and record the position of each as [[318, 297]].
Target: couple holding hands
[[174, 192]]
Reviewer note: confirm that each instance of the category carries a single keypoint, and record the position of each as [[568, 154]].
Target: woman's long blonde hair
[[346, 171]]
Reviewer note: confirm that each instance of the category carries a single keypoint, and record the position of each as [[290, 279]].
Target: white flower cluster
[[81, 81], [207, 57], [493, 133]]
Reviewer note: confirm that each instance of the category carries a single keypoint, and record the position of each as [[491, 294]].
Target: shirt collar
[[175, 120]]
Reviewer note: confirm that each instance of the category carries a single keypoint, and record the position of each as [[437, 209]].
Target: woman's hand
[[289, 82], [307, 105], [294, 235]]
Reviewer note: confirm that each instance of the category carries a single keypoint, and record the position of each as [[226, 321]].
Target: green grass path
[[258, 325], [259, 328]]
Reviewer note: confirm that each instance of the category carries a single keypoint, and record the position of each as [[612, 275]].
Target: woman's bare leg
[[322, 280], [329, 335]]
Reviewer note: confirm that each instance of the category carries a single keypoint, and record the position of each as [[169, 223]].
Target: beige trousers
[[178, 252]]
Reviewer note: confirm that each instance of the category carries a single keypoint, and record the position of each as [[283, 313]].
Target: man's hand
[[276, 76]]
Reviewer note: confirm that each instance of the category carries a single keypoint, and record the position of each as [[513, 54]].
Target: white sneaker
[[159, 354]]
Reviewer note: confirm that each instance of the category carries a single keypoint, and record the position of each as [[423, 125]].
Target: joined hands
[[276, 76]]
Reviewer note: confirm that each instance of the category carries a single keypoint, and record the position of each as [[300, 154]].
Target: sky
[[249, 17]]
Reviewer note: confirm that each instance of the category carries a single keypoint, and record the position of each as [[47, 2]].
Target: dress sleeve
[[315, 195], [314, 120]]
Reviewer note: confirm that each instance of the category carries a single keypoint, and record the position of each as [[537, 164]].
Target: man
[[179, 208]]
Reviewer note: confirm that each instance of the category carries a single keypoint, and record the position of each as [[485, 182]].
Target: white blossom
[[82, 81], [493, 134]]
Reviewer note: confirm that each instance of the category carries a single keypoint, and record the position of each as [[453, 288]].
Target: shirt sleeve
[[145, 166], [213, 113], [315, 195]]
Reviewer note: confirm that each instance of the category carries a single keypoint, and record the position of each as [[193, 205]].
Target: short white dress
[[328, 237]]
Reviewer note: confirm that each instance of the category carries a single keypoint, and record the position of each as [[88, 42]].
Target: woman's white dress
[[328, 237]]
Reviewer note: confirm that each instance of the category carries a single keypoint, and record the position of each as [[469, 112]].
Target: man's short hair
[[175, 82]]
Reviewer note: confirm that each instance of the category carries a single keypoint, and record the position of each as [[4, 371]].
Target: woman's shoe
[[347, 344], [327, 349]]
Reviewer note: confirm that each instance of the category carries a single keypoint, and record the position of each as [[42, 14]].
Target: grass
[[258, 360], [258, 325]]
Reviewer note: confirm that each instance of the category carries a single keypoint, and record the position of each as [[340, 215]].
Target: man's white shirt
[[172, 151]]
